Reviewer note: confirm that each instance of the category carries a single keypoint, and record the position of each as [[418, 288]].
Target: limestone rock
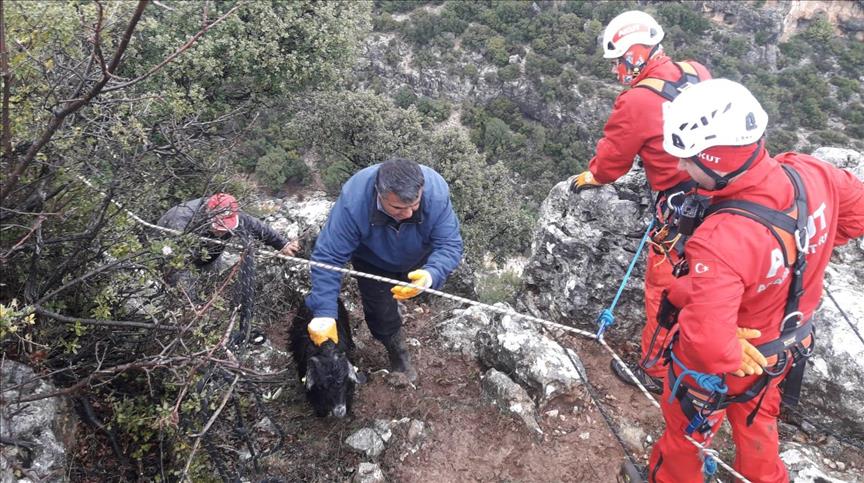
[[44, 425], [366, 441], [368, 473], [581, 248], [459, 332], [535, 361], [511, 398], [805, 465]]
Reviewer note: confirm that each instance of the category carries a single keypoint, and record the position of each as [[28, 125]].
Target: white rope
[[493, 308]]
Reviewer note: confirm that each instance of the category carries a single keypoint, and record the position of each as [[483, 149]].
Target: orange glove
[[582, 181], [417, 277], [752, 361]]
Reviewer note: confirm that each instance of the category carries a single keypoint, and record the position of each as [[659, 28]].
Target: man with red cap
[[219, 217], [635, 126], [755, 267]]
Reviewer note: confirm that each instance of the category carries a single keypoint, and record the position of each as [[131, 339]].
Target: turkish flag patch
[[702, 268]]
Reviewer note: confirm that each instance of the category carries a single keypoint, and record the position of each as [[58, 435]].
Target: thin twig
[[210, 422], [110, 323], [179, 51]]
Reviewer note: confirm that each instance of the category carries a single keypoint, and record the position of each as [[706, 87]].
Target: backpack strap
[[667, 89]]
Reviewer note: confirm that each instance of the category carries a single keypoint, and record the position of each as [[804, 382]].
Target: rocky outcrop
[[582, 246], [833, 393], [806, 464], [779, 21], [35, 434], [389, 60]]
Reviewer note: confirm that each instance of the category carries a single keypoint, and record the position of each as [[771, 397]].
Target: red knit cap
[[224, 209]]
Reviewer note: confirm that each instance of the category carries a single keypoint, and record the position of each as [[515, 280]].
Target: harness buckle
[[797, 313], [798, 241]]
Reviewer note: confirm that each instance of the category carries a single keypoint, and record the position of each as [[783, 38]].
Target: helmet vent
[[704, 121], [728, 106], [750, 121]]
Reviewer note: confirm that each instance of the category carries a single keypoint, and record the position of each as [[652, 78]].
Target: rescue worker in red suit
[[632, 40], [733, 299]]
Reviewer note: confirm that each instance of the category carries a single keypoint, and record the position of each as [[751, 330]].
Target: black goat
[[326, 370]]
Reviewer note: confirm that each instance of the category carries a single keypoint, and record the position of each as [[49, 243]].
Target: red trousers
[[674, 459], [658, 277]]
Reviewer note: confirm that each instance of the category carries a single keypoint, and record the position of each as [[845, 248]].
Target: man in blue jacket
[[393, 219]]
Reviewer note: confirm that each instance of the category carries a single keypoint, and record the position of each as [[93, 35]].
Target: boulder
[[510, 398], [537, 362], [459, 332], [366, 441], [40, 429], [581, 248]]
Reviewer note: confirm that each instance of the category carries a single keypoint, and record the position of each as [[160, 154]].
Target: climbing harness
[[606, 317], [668, 89], [456, 298]]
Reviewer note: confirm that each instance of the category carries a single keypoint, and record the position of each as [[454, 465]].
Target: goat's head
[[330, 379]]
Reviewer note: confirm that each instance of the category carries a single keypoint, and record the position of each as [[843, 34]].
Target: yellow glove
[[752, 361], [417, 277], [322, 328], [582, 181]]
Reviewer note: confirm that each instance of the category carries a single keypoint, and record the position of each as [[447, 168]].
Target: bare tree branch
[[58, 117], [111, 323], [6, 141], [179, 51]]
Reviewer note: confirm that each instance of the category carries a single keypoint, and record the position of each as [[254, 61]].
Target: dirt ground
[[466, 438]]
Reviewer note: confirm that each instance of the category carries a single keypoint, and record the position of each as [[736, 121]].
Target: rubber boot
[[652, 384], [400, 360]]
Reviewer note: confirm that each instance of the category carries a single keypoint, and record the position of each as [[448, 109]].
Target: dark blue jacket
[[357, 229]]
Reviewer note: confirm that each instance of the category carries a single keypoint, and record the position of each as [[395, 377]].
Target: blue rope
[[606, 318], [709, 382]]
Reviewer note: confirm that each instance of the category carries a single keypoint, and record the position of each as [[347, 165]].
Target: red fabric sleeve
[[709, 318], [850, 219], [621, 140]]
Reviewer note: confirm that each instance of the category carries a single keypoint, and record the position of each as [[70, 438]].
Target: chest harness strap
[[665, 238]]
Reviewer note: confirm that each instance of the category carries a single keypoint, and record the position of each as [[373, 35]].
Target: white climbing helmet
[[716, 112], [629, 29]]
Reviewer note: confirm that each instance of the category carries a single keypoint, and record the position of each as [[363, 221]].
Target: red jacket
[[636, 127], [737, 277]]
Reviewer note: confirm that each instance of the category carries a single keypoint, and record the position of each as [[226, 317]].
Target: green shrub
[[509, 72], [498, 287], [404, 97], [819, 32], [496, 50], [829, 137], [781, 140]]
